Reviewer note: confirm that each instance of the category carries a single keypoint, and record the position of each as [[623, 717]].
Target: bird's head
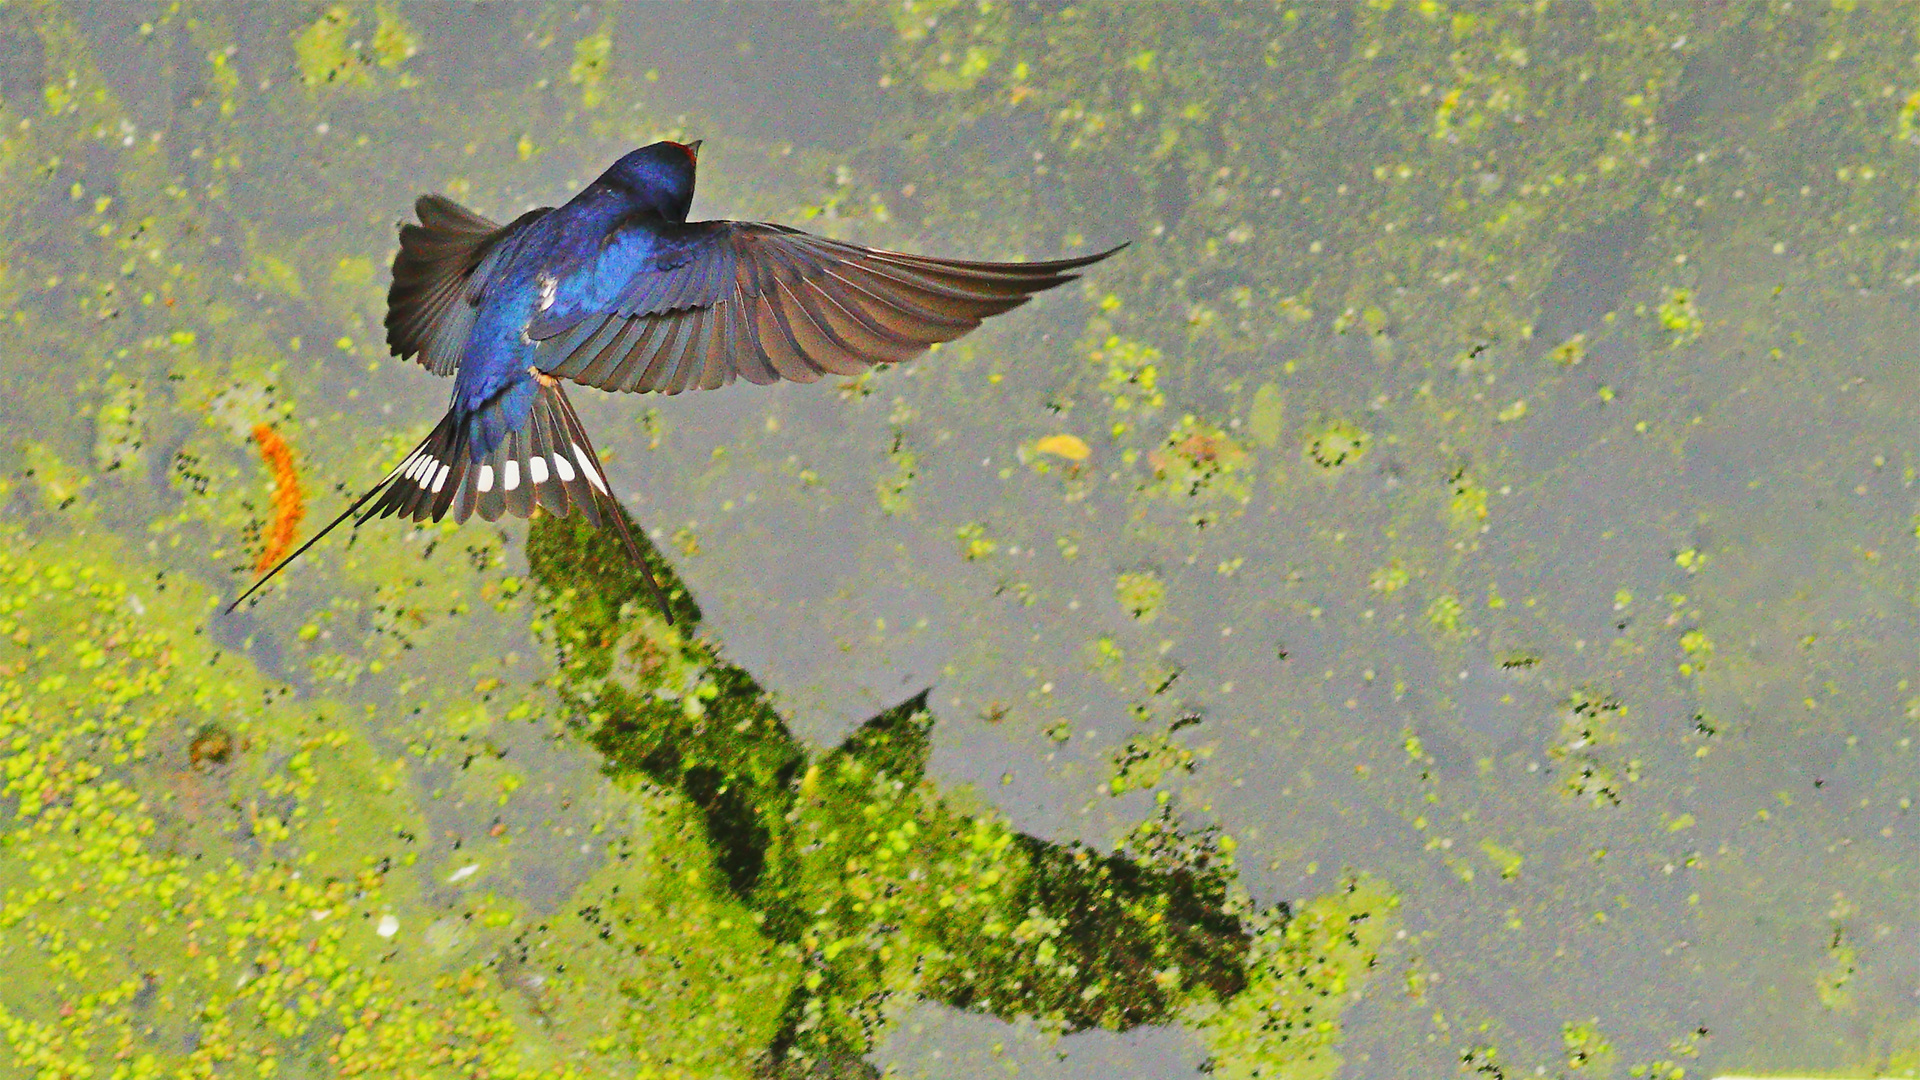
[[659, 177]]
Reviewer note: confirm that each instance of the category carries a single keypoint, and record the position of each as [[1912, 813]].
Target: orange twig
[[289, 502]]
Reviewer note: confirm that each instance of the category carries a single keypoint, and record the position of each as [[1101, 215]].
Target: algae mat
[[1439, 603]]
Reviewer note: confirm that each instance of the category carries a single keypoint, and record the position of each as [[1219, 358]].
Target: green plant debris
[[1505, 860], [1444, 613], [1591, 731], [120, 432], [895, 490], [1141, 594], [589, 70], [335, 51], [975, 544], [1145, 760], [1680, 318], [1198, 460], [1389, 579], [1267, 420], [1588, 1051], [1336, 444], [1130, 380], [1286, 1023]]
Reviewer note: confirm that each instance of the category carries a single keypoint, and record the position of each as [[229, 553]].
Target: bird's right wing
[[436, 277], [717, 300]]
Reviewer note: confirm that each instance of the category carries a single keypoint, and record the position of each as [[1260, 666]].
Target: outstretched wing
[[715, 300], [437, 277]]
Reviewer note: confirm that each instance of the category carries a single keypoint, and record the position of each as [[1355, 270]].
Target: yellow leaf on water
[[1066, 446]]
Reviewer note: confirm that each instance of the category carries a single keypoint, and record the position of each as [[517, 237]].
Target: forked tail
[[548, 462]]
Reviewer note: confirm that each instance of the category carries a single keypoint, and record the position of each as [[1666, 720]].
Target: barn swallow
[[618, 290]]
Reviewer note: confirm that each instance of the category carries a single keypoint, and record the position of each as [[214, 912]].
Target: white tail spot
[[564, 468], [587, 470], [537, 469], [486, 478], [420, 465], [510, 470], [439, 480]]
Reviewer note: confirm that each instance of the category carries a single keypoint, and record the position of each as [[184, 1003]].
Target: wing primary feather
[[670, 365], [928, 305], [883, 312], [777, 344], [693, 351], [715, 368], [913, 281], [864, 336], [897, 312], [749, 359], [1017, 280], [814, 341]]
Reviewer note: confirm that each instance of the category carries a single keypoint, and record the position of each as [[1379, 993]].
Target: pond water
[[1441, 601]]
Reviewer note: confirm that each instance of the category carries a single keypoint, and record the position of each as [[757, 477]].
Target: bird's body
[[617, 290]]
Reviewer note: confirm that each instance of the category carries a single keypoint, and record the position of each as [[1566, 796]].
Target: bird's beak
[[693, 149]]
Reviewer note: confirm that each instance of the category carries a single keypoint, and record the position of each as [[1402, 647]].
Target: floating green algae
[[1576, 303], [173, 913]]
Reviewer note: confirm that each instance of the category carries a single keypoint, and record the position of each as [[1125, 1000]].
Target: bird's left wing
[[700, 304], [436, 278]]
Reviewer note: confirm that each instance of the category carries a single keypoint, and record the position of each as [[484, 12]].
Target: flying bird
[[618, 290]]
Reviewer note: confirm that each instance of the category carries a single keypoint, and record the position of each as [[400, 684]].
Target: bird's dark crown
[[658, 177]]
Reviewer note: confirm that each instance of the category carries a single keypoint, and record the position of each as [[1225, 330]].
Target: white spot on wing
[[537, 469], [424, 463], [439, 480], [587, 470], [548, 287], [564, 468], [486, 478], [511, 474]]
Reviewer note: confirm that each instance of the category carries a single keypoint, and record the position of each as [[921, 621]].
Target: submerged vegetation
[[1460, 558]]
